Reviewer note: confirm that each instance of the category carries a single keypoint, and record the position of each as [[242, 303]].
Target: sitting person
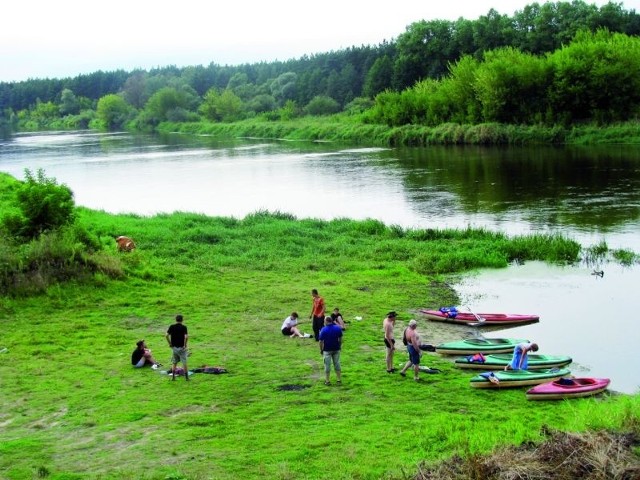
[[142, 357], [289, 327], [337, 318]]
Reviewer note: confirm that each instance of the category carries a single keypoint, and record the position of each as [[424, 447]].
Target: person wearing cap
[[413, 347], [317, 313], [389, 342], [142, 357], [330, 344], [177, 337]]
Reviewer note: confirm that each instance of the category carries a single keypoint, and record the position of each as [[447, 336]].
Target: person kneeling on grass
[[330, 344], [290, 327], [141, 356]]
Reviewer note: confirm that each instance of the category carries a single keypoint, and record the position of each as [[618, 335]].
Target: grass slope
[[72, 407]]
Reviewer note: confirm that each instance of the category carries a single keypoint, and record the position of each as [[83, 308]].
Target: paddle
[[478, 317]]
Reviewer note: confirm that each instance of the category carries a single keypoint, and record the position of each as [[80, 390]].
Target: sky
[[66, 38]]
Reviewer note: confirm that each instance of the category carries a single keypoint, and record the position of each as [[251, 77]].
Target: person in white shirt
[[290, 327]]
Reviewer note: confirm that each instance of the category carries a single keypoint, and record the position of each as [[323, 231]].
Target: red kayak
[[568, 388], [480, 319]]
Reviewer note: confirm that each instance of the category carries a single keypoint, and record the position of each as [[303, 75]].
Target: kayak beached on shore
[[482, 345], [498, 361], [517, 378], [452, 315], [568, 388]]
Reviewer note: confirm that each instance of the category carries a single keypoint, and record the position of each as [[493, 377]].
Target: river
[[589, 194]]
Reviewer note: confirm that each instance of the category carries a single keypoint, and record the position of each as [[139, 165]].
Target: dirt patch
[[562, 456], [292, 387]]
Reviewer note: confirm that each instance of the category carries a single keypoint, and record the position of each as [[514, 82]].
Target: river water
[[589, 194]]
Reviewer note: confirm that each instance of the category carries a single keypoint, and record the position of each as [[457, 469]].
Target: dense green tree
[[69, 103], [262, 103], [511, 86], [322, 105], [113, 111], [596, 77], [423, 51], [223, 106], [283, 88], [379, 76], [44, 111], [134, 90], [166, 103]]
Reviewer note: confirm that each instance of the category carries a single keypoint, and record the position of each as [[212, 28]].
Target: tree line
[[426, 58]]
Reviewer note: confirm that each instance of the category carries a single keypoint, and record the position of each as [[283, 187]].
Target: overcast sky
[[65, 38]]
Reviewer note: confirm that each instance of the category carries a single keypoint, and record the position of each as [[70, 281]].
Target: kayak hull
[[569, 388], [481, 319], [479, 345], [519, 378], [500, 360]]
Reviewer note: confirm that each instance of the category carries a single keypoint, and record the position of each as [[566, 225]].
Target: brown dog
[[125, 244]]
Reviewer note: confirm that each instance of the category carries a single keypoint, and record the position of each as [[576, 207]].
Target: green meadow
[[72, 406]]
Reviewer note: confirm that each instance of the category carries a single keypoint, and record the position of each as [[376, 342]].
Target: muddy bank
[[562, 456]]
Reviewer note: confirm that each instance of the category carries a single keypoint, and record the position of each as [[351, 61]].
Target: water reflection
[[587, 189]]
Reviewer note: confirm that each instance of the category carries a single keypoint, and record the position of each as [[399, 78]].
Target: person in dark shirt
[[337, 318], [177, 336], [141, 356], [330, 345]]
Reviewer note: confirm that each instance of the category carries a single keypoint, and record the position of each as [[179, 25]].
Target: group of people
[[410, 338], [327, 331], [177, 338]]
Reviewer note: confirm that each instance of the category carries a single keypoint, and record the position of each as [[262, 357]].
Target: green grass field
[[72, 407]]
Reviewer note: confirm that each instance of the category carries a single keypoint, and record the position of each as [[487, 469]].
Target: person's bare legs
[[173, 371], [403, 372], [149, 358], [389, 359], [416, 372]]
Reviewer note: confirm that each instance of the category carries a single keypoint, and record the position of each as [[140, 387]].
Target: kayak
[[480, 319], [568, 388], [517, 378], [498, 361], [483, 345]]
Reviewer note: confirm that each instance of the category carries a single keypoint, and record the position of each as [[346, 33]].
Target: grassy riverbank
[[73, 408], [342, 128]]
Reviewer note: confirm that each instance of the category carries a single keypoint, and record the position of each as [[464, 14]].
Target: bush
[[43, 206], [322, 105]]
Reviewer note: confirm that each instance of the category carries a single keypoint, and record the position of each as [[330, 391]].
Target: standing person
[[330, 344], [290, 327], [389, 342], [337, 318], [178, 337], [142, 356], [317, 313], [413, 347], [520, 356]]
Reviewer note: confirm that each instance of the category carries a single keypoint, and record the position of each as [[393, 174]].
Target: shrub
[[43, 204]]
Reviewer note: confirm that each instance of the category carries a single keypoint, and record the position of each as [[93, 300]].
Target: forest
[[552, 63]]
